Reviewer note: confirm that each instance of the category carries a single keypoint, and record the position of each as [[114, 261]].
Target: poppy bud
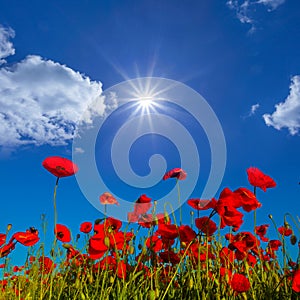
[[191, 283], [293, 239], [66, 246], [111, 279], [107, 242], [270, 216], [98, 221], [8, 227], [191, 213], [151, 295]]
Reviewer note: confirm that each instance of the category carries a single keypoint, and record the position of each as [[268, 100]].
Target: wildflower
[[86, 227], [108, 198], [170, 257], [175, 173], [186, 234], [206, 225], [258, 179], [154, 243], [28, 238], [296, 282], [202, 204], [261, 232], [2, 238], [274, 245], [249, 201], [167, 231], [62, 233], [46, 264], [60, 166], [240, 283], [283, 230], [6, 249]]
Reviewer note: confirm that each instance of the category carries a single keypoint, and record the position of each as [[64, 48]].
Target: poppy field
[[210, 258]]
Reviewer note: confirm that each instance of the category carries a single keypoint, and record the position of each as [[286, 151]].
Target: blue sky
[[56, 57]]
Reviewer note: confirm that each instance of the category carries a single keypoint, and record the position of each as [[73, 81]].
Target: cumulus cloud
[[6, 46], [287, 113], [254, 108], [42, 101], [245, 9]]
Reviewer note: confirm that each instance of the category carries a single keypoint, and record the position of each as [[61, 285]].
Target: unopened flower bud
[[107, 242], [293, 239], [270, 216]]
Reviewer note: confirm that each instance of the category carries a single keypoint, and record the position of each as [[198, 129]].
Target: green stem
[[179, 202], [54, 202]]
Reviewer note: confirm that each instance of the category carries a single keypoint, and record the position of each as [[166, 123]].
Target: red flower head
[[2, 238], [154, 243], [28, 238], [240, 283], [60, 166], [108, 198], [274, 245], [46, 264], [202, 204], [261, 232], [86, 227], [175, 173], [186, 234], [249, 201], [62, 233], [296, 282], [206, 225], [168, 231], [258, 179], [285, 231]]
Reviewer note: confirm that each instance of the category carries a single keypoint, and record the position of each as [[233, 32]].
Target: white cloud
[[254, 108], [245, 9], [6, 46], [287, 113], [41, 101], [273, 4]]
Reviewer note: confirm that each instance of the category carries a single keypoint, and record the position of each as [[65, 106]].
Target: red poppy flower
[[285, 231], [143, 199], [240, 283], [108, 198], [261, 232], [206, 225], [97, 247], [258, 179], [168, 231], [175, 173], [154, 243], [186, 234], [86, 227], [28, 238], [249, 201], [121, 270], [202, 204], [111, 225], [46, 264], [296, 282], [170, 257], [2, 238], [274, 245], [6, 249], [229, 215], [62, 233], [60, 166]]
